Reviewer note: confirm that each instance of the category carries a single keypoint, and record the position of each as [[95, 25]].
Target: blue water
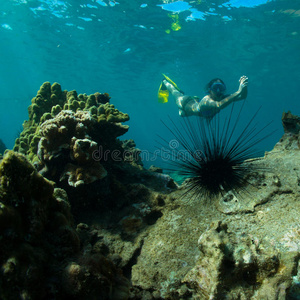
[[123, 47]]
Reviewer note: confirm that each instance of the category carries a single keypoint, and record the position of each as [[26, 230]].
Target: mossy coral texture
[[40, 253], [65, 129], [51, 100], [29, 210]]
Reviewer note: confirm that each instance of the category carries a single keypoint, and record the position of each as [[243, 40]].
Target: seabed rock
[[233, 265], [248, 242]]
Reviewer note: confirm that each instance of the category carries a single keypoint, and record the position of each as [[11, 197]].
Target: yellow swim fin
[[172, 82], [163, 94]]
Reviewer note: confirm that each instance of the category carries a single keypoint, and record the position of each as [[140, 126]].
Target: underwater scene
[[150, 149]]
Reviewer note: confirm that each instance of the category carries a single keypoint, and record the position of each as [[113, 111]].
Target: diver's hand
[[243, 83]]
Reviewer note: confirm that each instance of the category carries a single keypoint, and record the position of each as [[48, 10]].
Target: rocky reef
[[73, 140], [242, 246], [75, 201], [80, 217], [41, 255]]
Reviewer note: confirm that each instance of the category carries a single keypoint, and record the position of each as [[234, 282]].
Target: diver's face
[[217, 89]]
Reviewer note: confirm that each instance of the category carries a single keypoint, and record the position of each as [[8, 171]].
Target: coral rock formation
[[66, 140], [40, 249], [51, 100], [73, 140], [100, 183]]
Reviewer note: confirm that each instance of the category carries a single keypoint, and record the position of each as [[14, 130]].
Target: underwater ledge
[[73, 227]]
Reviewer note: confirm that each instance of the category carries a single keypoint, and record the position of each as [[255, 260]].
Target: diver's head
[[216, 87]]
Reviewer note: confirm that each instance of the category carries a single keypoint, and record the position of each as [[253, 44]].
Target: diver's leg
[[178, 95], [185, 103], [189, 104], [172, 89]]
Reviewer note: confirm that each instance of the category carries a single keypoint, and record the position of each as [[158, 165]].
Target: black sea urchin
[[212, 155]]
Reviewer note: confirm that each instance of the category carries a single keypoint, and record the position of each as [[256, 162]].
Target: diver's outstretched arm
[[239, 95], [243, 87]]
